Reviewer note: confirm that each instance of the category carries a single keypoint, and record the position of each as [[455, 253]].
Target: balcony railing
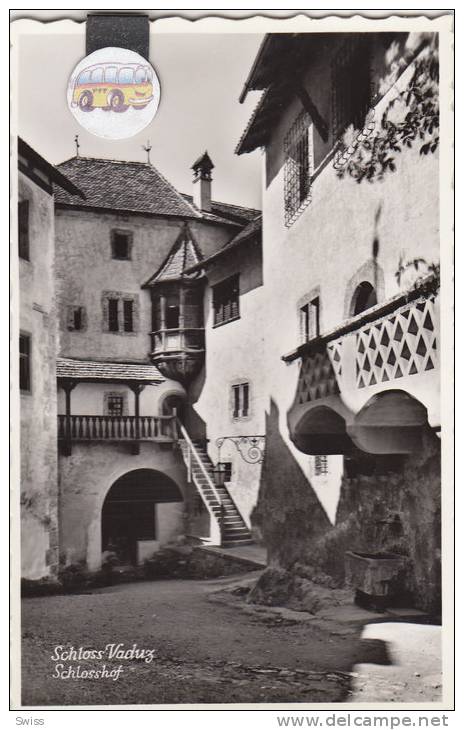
[[393, 345], [177, 340], [117, 428]]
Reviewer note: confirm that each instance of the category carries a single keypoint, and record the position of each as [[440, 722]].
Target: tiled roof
[[127, 186], [251, 231], [184, 254], [137, 187], [110, 371], [232, 213]]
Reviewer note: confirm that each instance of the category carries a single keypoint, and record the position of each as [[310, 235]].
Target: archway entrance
[[174, 404], [129, 511]]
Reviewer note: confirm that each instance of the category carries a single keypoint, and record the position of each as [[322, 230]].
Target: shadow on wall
[[387, 504], [288, 513], [195, 425]]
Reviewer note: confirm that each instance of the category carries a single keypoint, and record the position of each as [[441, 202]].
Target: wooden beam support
[[309, 106]]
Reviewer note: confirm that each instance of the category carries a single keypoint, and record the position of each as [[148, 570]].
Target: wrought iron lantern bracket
[[250, 448]]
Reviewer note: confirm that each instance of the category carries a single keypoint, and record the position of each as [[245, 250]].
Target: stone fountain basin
[[375, 574]]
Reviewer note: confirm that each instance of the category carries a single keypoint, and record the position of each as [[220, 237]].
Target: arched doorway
[[173, 403], [364, 298], [129, 511]]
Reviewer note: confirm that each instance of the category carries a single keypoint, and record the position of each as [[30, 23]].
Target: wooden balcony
[[374, 382], [178, 353], [117, 428]]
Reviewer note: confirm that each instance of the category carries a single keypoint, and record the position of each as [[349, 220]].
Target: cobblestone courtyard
[[205, 651]]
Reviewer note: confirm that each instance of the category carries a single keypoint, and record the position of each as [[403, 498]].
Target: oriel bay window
[[226, 300]]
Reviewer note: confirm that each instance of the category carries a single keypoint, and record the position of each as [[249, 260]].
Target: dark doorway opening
[[364, 298], [174, 404], [129, 511]]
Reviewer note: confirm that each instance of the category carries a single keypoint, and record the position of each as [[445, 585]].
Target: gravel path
[[203, 651]]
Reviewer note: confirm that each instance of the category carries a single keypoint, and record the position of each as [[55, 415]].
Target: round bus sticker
[[113, 93]]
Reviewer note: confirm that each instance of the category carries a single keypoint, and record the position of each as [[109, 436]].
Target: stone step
[[234, 543]]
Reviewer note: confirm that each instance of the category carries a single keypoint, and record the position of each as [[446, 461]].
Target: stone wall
[[384, 511], [85, 269], [38, 427], [85, 479]]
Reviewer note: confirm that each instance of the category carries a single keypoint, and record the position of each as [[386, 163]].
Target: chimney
[[202, 182]]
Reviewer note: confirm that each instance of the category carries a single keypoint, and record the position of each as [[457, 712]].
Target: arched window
[[364, 297]]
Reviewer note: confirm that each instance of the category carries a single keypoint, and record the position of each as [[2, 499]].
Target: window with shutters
[[240, 400], [309, 320], [120, 313], [226, 301], [113, 315], [76, 318], [128, 311], [121, 245], [25, 381], [23, 230]]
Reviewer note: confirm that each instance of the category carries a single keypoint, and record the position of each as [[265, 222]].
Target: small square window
[[25, 362], [114, 404], [121, 244], [76, 318]]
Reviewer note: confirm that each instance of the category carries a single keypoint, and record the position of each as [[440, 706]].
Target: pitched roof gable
[[127, 186], [184, 254]]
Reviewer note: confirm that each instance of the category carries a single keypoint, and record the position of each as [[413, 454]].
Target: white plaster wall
[[169, 521], [89, 398], [38, 474], [235, 352], [85, 479], [326, 247], [85, 269]]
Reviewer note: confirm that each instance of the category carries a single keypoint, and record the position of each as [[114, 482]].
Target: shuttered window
[[128, 310], [113, 319], [241, 400], [226, 300]]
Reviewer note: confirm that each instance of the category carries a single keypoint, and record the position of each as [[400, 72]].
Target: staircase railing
[[192, 453]]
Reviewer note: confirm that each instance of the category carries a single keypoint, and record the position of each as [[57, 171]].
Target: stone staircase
[[230, 528]]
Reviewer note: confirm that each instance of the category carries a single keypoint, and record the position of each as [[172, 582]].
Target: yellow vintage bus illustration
[[113, 86]]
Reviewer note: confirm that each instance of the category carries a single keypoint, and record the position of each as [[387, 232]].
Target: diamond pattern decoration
[[401, 345], [318, 374]]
